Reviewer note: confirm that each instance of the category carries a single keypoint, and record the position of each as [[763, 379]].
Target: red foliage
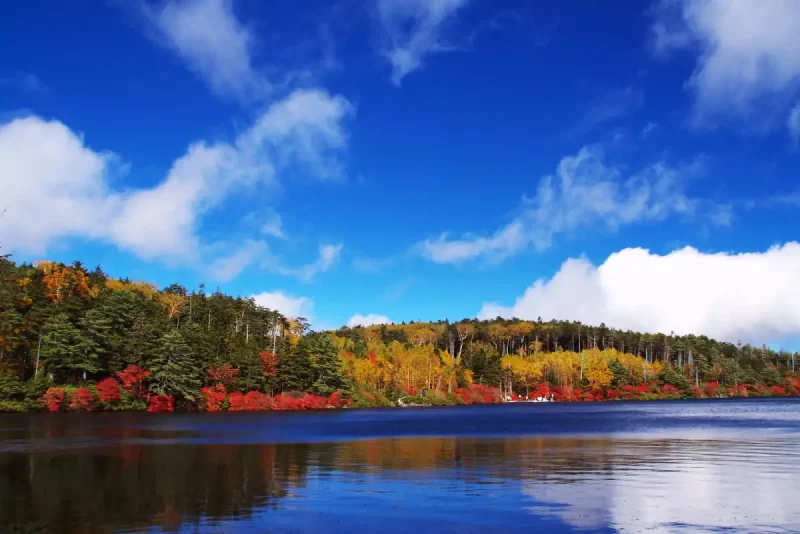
[[337, 400], [712, 388], [628, 391], [373, 357], [223, 374], [108, 390], [612, 394], [542, 391], [161, 403], [697, 392], [411, 390], [133, 378], [644, 388], [479, 394], [53, 398], [669, 389], [81, 400], [270, 362], [778, 390], [214, 397]]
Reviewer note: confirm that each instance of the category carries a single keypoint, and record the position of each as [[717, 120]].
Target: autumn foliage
[[161, 403], [133, 380], [108, 390], [81, 400], [53, 399]]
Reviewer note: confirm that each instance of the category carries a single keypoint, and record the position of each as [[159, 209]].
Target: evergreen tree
[[173, 371], [66, 352], [328, 373], [296, 369]]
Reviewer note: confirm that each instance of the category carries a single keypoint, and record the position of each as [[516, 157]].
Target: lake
[[682, 466]]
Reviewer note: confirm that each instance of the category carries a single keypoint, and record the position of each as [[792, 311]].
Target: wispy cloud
[[585, 192], [328, 258], [208, 36], [414, 30], [650, 129], [747, 66], [793, 124], [609, 107], [226, 268], [23, 81]]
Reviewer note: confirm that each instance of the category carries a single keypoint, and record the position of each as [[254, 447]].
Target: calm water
[[688, 466]]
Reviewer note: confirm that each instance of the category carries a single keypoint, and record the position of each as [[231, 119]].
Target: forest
[[74, 339]]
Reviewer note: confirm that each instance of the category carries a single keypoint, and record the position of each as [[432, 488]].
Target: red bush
[[133, 378], [53, 398], [81, 400], [161, 403], [108, 390], [668, 389], [712, 388], [778, 390], [644, 388], [214, 397], [612, 394], [336, 400], [628, 391]]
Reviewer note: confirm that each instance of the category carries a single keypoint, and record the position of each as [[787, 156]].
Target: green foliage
[[328, 373], [173, 370], [673, 377], [622, 377]]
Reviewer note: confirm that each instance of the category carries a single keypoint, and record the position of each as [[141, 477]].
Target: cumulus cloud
[[585, 192], [207, 35], [368, 320], [55, 186], [747, 58], [286, 304], [752, 297], [414, 29]]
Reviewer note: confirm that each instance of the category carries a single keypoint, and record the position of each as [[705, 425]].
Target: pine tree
[[173, 371], [328, 373], [65, 350]]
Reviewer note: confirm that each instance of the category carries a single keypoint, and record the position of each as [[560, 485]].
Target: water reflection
[[117, 479]]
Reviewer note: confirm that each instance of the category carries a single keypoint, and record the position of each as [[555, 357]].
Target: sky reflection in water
[[660, 467]]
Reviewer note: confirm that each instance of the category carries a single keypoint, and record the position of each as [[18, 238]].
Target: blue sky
[[418, 160]]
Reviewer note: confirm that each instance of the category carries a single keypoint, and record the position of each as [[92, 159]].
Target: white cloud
[[749, 297], [414, 30], [328, 257], [55, 186], [227, 268], [368, 320], [213, 42], [748, 66], [584, 193], [793, 123], [273, 225], [286, 304]]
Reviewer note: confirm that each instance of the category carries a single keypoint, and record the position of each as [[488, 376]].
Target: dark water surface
[[684, 466]]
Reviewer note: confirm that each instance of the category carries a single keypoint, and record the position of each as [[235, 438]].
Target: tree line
[[74, 338]]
